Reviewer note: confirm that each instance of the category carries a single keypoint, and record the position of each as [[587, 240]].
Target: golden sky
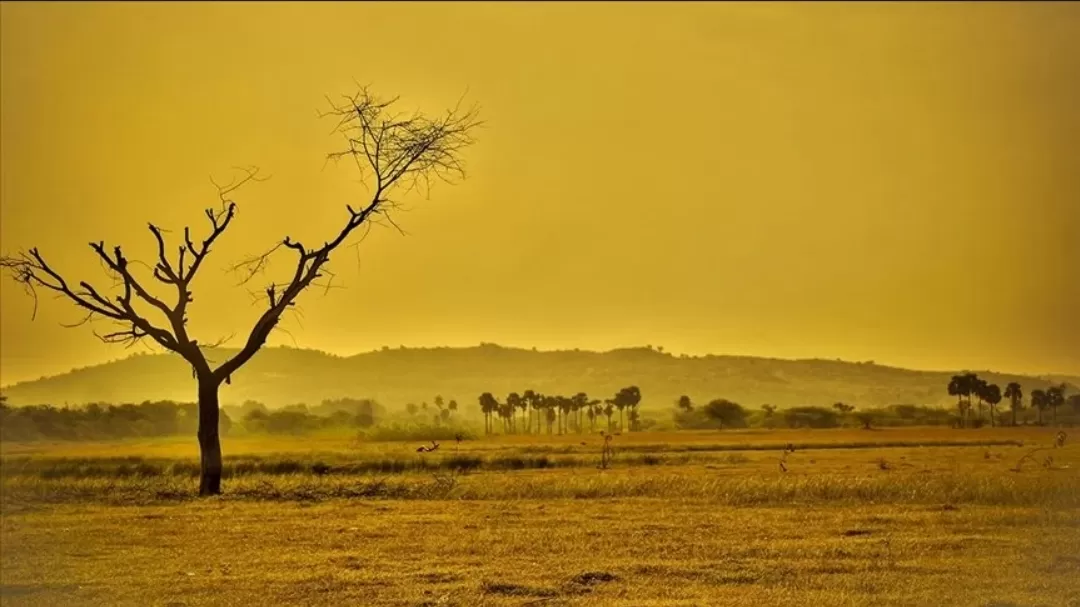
[[896, 182]]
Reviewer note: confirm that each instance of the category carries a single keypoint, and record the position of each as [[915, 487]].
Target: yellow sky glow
[[896, 182]]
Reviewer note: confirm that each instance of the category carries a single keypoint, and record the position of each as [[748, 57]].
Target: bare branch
[[394, 153]]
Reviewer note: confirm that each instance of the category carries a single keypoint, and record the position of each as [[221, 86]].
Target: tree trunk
[[1014, 414], [209, 439]]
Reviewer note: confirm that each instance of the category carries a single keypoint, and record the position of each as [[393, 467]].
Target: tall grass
[[1043, 488]]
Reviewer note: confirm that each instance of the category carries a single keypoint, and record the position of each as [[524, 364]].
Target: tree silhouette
[[395, 153], [978, 390], [992, 395], [524, 406], [628, 397], [961, 386], [1055, 397], [1039, 403], [685, 403], [1015, 394], [411, 408], [513, 401], [593, 411], [726, 412], [488, 405], [609, 410], [533, 403]]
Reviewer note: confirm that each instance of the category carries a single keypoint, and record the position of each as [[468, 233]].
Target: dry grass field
[[906, 516]]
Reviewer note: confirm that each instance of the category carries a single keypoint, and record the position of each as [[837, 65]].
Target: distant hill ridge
[[281, 376]]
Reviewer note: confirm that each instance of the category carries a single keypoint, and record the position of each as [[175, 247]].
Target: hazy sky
[[896, 182]]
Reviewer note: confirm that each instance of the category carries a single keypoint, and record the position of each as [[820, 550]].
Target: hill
[[282, 376]]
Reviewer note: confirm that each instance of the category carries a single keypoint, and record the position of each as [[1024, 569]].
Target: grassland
[[907, 516]]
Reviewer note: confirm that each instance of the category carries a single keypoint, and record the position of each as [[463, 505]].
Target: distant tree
[[593, 411], [609, 410], [991, 393], [423, 405], [1055, 397], [684, 403], [532, 400], [811, 417], [1073, 402], [726, 413], [843, 409], [978, 390], [628, 397], [513, 401], [397, 152], [580, 403], [1015, 394], [411, 408], [524, 406], [769, 410], [488, 406], [439, 402], [1039, 403], [961, 386], [866, 418], [452, 406]]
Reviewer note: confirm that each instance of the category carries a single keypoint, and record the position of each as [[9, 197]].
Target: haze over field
[[395, 377], [884, 182]]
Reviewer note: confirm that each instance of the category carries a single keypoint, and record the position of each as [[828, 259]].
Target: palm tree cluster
[[561, 413], [968, 385], [446, 409]]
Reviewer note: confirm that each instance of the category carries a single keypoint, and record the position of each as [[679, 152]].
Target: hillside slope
[[281, 376]]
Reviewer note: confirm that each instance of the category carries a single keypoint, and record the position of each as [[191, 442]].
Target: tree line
[[561, 413], [103, 421], [968, 386], [721, 413]]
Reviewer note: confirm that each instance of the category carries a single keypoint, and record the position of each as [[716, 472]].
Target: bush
[[726, 413], [811, 417]]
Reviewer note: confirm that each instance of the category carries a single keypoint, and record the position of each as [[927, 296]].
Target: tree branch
[[394, 151]]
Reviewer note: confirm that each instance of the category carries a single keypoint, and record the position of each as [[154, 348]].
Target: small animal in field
[[422, 449]]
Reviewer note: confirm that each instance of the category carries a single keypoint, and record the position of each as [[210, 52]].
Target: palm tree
[[992, 395], [594, 411], [1038, 402], [524, 406], [581, 401], [488, 405], [960, 386], [1055, 397], [1016, 398], [513, 400], [609, 410], [627, 397], [452, 406], [978, 390]]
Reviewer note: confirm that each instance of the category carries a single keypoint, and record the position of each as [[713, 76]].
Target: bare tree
[[395, 153]]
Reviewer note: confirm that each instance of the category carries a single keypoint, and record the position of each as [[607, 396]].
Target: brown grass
[[699, 524]]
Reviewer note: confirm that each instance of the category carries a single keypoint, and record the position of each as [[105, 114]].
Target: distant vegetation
[[531, 412], [395, 376]]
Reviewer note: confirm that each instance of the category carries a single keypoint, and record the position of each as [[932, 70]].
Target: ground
[[680, 519]]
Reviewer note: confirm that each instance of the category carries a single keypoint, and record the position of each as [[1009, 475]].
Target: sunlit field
[[905, 516]]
